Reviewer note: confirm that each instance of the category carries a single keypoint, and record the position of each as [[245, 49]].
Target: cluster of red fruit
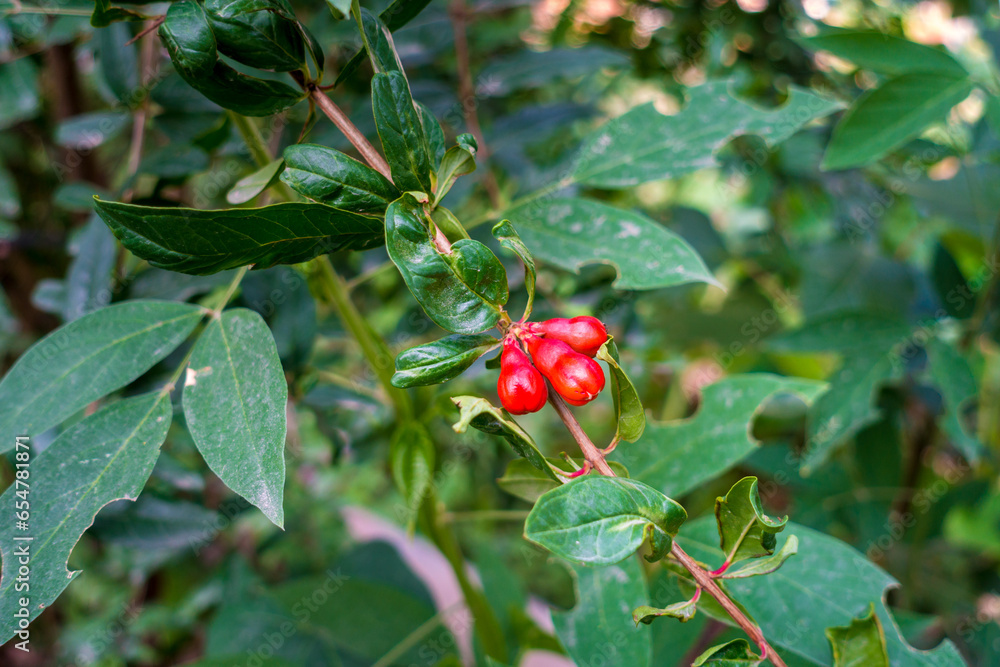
[[562, 350]]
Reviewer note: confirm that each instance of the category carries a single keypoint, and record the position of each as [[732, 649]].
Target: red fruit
[[576, 377], [520, 386], [584, 334]]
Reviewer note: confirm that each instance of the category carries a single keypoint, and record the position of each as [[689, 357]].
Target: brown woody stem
[[701, 576], [350, 130]]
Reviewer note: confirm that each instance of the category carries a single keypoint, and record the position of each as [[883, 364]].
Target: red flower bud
[[520, 385], [584, 334], [577, 378]]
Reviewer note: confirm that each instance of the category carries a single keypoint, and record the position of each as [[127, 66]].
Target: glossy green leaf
[[234, 405], [528, 482], [883, 53], [258, 33], [449, 224], [524, 480], [105, 457], [86, 359], [644, 145], [330, 177], [434, 133], [571, 233], [378, 43], [188, 36], [403, 139], [849, 584], [411, 458], [597, 628], [888, 116], [462, 290], [253, 184], [203, 242], [504, 232], [440, 360], [736, 653], [765, 565], [395, 16], [481, 415], [676, 457], [457, 161], [629, 414], [953, 377], [683, 611], [596, 520], [744, 530], [860, 644], [90, 130]]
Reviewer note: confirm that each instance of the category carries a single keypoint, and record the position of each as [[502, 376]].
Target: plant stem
[[705, 580], [459, 14], [590, 451], [252, 138], [701, 576], [350, 130], [379, 357], [487, 626]]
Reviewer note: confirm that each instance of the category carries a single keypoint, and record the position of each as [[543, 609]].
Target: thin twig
[[590, 451], [705, 580], [701, 576], [350, 130], [459, 15]]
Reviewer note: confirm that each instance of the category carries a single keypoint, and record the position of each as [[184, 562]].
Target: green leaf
[[888, 116], [644, 145], [189, 40], [395, 16], [736, 653], [882, 53], [105, 14], [87, 284], [683, 611], [629, 414], [105, 457], [571, 233], [258, 33], [481, 415], [847, 406], [744, 530], [678, 456], [411, 458], [504, 232], [767, 565], [449, 224], [86, 359], [434, 133], [440, 360], [848, 584], [202, 242], [330, 177], [188, 36], [596, 520], [90, 130], [524, 480], [402, 134], [19, 91], [234, 404], [253, 184], [860, 644], [119, 63], [461, 291], [458, 161], [378, 43], [597, 630], [951, 374]]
